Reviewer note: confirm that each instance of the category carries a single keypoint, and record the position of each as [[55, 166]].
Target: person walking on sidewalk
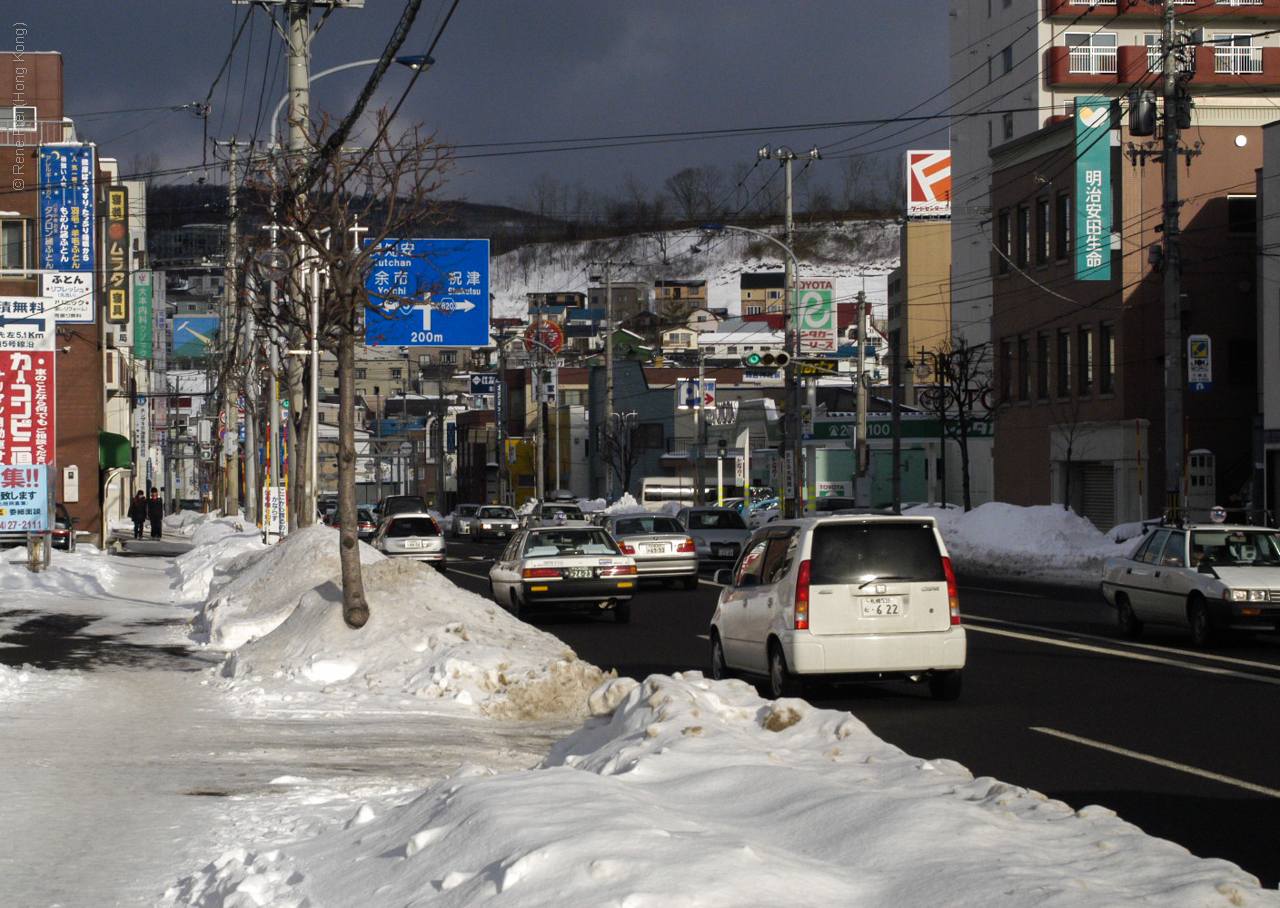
[[155, 512], [138, 514]]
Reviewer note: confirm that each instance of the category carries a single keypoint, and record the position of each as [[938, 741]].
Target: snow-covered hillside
[[857, 255]]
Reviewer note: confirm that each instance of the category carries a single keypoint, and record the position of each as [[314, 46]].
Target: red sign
[[928, 183], [544, 333], [26, 407]]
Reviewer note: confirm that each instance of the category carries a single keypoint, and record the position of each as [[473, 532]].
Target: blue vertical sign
[[1093, 189], [66, 207], [432, 293], [1199, 363]]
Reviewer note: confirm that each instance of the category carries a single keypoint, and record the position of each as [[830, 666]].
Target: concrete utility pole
[[607, 422], [793, 446], [1174, 456], [860, 468]]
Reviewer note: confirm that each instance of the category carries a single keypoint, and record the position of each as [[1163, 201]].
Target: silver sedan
[[663, 550]]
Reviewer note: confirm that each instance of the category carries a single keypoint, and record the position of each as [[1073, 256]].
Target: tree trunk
[[355, 608]]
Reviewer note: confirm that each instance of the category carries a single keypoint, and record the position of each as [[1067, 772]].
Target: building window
[[1242, 214], [1024, 236], [1006, 59], [1062, 226], [1092, 52], [1084, 351], [397, 373], [1024, 368], [362, 374], [1235, 54], [17, 244], [649, 435], [1064, 362], [754, 310], [1042, 366], [1006, 126], [449, 357], [1107, 358], [1004, 241], [1006, 369], [1043, 239]]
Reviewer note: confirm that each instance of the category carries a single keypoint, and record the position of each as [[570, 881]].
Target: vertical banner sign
[[115, 277], [66, 208], [142, 314], [432, 293], [928, 184], [1093, 189], [1199, 363], [816, 323], [27, 403]]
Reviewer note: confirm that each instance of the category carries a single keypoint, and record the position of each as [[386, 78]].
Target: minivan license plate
[[881, 606]]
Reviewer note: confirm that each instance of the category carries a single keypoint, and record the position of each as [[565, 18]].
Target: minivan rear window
[[852, 552]]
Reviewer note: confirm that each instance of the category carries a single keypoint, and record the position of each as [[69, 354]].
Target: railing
[[1155, 59], [1095, 60], [1237, 60], [36, 133]]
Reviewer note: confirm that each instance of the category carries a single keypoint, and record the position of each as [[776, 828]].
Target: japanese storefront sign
[[115, 277], [142, 314], [816, 315], [1093, 189], [27, 402], [68, 296], [24, 499], [66, 208]]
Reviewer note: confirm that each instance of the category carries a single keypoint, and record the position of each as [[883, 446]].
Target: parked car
[[399, 504], [838, 599], [556, 513], [663, 550], [460, 519], [571, 567], [718, 533], [366, 526], [825, 504], [494, 521], [64, 528], [1206, 578], [413, 535]]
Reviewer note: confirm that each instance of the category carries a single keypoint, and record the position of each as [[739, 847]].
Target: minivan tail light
[[953, 595], [802, 597]]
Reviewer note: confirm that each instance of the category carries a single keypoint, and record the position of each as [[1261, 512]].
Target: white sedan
[[1207, 578], [575, 568]]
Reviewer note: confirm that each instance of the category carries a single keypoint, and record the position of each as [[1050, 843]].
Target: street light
[[791, 340]]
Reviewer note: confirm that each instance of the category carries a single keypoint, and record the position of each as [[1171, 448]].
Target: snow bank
[[217, 545], [86, 572], [16, 683], [1046, 543], [684, 791]]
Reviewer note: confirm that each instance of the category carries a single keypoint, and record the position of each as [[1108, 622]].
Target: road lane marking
[[1159, 761], [1125, 654]]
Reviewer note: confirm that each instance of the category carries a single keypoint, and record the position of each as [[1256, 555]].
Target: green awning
[[114, 451]]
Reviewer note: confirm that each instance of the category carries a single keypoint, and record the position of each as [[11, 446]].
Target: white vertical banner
[[742, 463]]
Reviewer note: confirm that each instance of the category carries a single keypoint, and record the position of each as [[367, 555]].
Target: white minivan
[[841, 598]]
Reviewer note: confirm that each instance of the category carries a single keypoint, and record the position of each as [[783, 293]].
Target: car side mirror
[[723, 577]]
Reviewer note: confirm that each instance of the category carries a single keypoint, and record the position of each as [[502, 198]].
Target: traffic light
[[766, 359], [722, 448]]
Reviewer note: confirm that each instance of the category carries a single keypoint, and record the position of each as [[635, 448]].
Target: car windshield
[[412, 526], [496, 513], [852, 552], [558, 542], [716, 520], [570, 511], [1234, 548], [466, 510], [636, 526]]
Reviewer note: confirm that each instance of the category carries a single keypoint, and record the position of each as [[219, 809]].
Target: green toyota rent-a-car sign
[[1093, 189]]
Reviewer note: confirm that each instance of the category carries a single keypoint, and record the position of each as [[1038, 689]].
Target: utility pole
[[607, 422], [792, 445], [860, 468], [1174, 457]]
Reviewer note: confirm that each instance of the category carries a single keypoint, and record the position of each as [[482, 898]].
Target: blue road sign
[[429, 293]]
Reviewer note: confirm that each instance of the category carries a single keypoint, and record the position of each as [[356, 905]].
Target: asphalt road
[[1177, 741]]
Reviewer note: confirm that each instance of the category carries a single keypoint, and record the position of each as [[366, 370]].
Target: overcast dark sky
[[521, 72]]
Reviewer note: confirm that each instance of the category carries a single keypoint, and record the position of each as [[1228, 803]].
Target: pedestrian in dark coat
[[138, 513], [155, 512]]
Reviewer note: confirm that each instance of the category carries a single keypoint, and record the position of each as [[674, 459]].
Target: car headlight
[[1246, 595]]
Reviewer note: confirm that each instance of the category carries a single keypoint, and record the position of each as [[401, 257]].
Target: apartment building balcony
[[36, 132], [1219, 10], [1215, 69]]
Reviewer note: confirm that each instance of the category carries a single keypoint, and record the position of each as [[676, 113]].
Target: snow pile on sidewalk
[[684, 791], [1046, 543]]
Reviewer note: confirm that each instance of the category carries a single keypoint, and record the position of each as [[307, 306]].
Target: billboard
[[194, 335], [27, 401], [427, 292], [115, 277], [1093, 189], [66, 207], [816, 327], [929, 184]]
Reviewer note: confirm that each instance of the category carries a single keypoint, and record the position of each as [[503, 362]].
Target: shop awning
[[114, 451]]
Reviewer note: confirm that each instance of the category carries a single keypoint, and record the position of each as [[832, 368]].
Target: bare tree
[[962, 397], [620, 447], [684, 190], [337, 232]]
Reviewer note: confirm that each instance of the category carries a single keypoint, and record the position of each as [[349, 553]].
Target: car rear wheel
[[1202, 634], [781, 682], [1126, 621], [719, 668], [945, 685]]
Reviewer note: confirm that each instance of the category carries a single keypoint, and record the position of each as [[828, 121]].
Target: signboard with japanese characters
[[24, 499], [429, 292], [142, 314], [928, 184], [115, 275], [66, 208], [816, 324], [1093, 189], [1199, 363], [68, 296], [27, 400]]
